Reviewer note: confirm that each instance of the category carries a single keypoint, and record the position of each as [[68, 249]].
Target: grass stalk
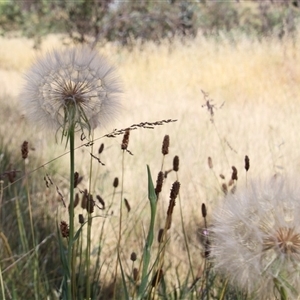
[[71, 266], [89, 231], [36, 274], [149, 241], [120, 223]]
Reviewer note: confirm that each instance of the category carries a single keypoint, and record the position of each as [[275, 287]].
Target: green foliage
[[96, 21]]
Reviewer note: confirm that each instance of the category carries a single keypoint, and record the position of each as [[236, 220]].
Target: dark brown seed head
[[11, 175], [24, 150], [135, 274], [64, 229], [234, 173], [207, 248], [81, 218], [160, 236], [125, 141], [101, 148], [159, 183], [90, 205], [203, 210], [101, 201], [176, 163], [174, 190], [157, 278], [222, 176], [209, 161], [133, 256], [247, 163], [76, 177], [116, 182], [84, 199], [165, 145], [127, 205], [76, 200]]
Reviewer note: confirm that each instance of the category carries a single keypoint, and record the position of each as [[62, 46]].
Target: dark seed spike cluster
[[165, 145], [24, 150]]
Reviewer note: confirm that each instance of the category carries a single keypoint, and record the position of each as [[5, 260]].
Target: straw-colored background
[[256, 92]]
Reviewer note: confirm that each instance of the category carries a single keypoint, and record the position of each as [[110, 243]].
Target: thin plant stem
[[120, 225], [184, 233], [89, 230], [36, 261], [71, 266], [2, 284]]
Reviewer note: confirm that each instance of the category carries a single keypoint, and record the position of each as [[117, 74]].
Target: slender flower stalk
[[256, 239], [69, 91]]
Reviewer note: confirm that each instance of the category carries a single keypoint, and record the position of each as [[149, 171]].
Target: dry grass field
[[255, 87]]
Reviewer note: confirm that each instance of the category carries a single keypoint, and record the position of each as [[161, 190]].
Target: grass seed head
[[101, 148], [176, 163], [81, 218], [64, 229], [234, 173], [159, 183], [247, 163], [101, 201], [125, 140], [24, 150], [133, 256], [203, 210], [116, 182], [165, 145]]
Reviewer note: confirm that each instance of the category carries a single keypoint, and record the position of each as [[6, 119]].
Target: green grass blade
[[149, 241]]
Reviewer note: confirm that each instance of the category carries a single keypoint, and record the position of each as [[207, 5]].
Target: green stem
[[36, 275], [71, 279]]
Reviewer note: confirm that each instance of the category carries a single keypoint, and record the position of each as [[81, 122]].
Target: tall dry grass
[[255, 90]]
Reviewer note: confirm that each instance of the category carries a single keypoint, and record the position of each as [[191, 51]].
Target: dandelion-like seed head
[[285, 241], [71, 89], [255, 238]]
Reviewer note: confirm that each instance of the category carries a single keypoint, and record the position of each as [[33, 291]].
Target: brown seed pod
[[165, 145], [125, 141], [159, 183], [176, 163], [64, 229], [247, 163], [234, 173], [133, 256], [203, 210], [135, 274], [116, 182], [24, 150], [101, 148], [127, 205], [81, 218], [84, 199], [90, 205], [160, 235], [157, 278], [101, 201], [175, 190]]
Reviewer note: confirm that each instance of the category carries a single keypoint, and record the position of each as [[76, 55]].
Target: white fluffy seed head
[[256, 238], [77, 80]]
